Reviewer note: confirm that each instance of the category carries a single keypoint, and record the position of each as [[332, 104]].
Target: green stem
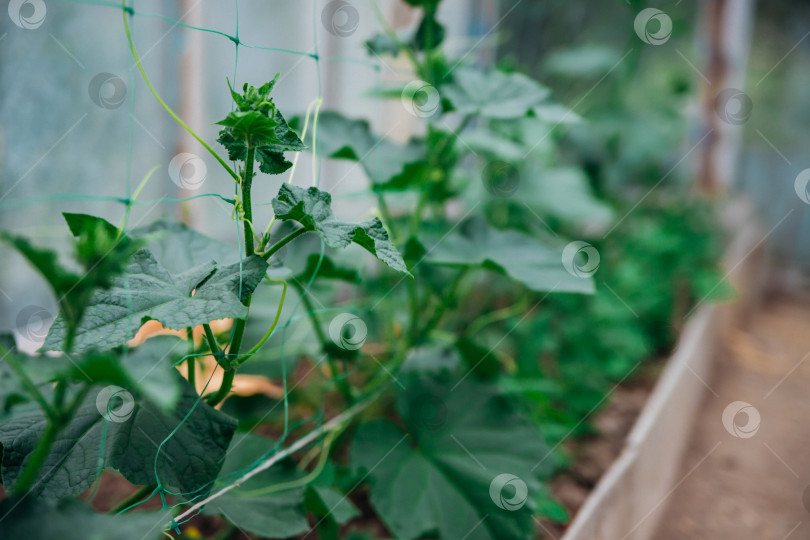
[[269, 333], [416, 218], [36, 459], [492, 316], [401, 45], [134, 498], [283, 242], [247, 207], [386, 215], [224, 388], [191, 377], [233, 354], [212, 340], [163, 103], [239, 328], [133, 198], [59, 394], [15, 365], [43, 448]]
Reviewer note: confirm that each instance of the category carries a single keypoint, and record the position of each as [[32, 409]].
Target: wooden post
[[190, 97], [725, 39]]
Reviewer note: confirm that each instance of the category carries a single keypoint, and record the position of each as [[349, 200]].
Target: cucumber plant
[[414, 407]]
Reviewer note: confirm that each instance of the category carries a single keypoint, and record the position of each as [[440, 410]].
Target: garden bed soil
[[592, 456]]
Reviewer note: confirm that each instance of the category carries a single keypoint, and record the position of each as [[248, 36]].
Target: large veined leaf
[[188, 461], [437, 479], [563, 193], [493, 93], [311, 208], [491, 143], [523, 258], [75, 520], [278, 514], [383, 160], [178, 248], [148, 291]]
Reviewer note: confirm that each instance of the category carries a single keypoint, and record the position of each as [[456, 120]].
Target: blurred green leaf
[[521, 257], [383, 160], [493, 93], [76, 520], [274, 514], [442, 469]]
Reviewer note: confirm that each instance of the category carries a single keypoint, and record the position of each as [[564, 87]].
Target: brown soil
[[754, 487]]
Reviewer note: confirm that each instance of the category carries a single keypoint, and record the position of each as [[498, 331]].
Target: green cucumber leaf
[[77, 223], [271, 155], [443, 468], [491, 143], [99, 251], [189, 461], [278, 514], [311, 208], [178, 248], [330, 508], [253, 125], [493, 94], [149, 370], [384, 161], [75, 520], [148, 291], [523, 258], [563, 193]]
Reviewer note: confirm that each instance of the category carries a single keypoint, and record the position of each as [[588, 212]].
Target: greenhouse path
[[754, 485]]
